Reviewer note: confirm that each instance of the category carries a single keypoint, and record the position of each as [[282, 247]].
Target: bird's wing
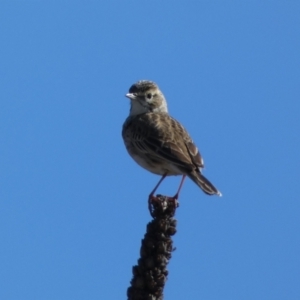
[[162, 137]]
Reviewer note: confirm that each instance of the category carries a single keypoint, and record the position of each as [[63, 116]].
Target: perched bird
[[159, 143]]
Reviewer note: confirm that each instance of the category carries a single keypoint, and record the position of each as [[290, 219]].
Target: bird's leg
[[158, 184], [151, 196], [175, 198], [180, 186]]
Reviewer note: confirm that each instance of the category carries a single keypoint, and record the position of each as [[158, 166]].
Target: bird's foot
[[175, 199], [152, 200]]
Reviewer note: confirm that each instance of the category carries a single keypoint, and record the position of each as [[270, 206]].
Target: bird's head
[[145, 96]]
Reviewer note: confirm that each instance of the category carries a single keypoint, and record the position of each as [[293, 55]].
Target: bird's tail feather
[[206, 186]]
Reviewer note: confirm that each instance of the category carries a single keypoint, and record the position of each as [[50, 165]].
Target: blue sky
[[73, 206]]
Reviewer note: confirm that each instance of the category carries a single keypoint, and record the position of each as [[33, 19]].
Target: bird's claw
[[152, 199]]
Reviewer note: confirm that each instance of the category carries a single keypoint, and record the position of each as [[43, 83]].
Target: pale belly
[[156, 167]]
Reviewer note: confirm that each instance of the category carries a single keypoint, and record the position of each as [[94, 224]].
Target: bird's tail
[[206, 186]]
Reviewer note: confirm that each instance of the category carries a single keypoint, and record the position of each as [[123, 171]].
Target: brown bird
[[159, 143]]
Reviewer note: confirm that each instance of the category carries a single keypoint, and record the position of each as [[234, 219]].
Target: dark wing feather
[[169, 151], [161, 136], [195, 154]]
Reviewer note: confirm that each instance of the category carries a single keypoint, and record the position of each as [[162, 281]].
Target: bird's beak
[[130, 96]]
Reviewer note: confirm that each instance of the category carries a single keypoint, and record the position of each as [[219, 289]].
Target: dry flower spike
[[150, 275]]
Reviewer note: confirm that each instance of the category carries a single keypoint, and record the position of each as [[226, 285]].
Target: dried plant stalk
[[150, 274]]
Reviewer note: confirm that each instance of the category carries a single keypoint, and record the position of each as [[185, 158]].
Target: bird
[[158, 142]]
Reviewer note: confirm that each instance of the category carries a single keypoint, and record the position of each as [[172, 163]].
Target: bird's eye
[[149, 96]]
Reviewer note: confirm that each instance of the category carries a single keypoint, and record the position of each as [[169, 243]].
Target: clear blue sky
[[73, 204]]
